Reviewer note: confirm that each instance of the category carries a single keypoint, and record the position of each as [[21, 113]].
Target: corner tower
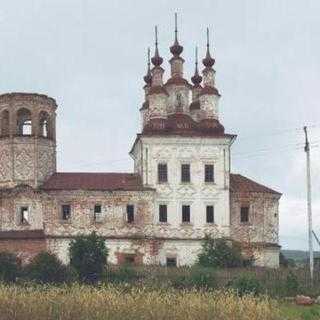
[[27, 139]]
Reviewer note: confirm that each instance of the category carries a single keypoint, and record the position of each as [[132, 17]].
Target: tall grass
[[113, 303]]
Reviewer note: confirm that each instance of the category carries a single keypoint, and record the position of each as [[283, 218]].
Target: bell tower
[[27, 139]]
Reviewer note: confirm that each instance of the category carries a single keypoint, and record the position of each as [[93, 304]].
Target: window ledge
[[163, 223], [211, 224], [186, 224], [65, 221]]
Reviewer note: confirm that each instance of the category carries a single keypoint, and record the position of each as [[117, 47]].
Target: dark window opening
[[163, 213], [244, 214], [24, 122], [171, 262], [5, 123], [66, 211], [129, 259], [24, 215], [185, 173], [185, 214], [210, 214], [130, 213], [209, 173], [162, 172], [97, 212]]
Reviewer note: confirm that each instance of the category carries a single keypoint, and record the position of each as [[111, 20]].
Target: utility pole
[[307, 151]]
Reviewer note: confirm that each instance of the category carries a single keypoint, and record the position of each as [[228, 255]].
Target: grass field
[[121, 302]]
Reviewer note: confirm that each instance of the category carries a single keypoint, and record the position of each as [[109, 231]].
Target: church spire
[[176, 49], [156, 59], [148, 77], [196, 79], [209, 95], [208, 61]]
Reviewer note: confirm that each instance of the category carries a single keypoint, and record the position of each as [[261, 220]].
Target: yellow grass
[[89, 303]]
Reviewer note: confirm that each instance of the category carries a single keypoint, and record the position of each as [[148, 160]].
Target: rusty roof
[[239, 183], [109, 181]]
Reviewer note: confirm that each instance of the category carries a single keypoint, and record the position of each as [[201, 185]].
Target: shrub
[[88, 257], [9, 267], [46, 268], [120, 274], [292, 284], [218, 253], [246, 285], [202, 278]]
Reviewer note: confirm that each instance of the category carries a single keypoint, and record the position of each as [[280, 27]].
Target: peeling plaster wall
[[262, 230]]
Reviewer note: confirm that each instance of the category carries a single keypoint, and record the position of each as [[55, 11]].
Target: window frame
[[247, 220], [62, 213], [22, 220], [212, 174], [162, 174], [163, 205], [172, 265], [130, 216], [97, 213], [207, 214], [183, 220], [185, 176]]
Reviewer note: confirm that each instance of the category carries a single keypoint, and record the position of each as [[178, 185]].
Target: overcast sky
[[90, 56]]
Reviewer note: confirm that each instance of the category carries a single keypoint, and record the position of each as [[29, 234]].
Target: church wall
[[263, 217], [198, 194], [11, 203]]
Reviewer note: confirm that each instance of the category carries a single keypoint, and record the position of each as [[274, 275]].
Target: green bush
[[9, 267], [202, 278], [246, 285], [46, 268], [88, 257], [219, 254], [122, 274], [292, 284]]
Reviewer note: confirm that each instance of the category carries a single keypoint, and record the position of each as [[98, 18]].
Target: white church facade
[[180, 191]]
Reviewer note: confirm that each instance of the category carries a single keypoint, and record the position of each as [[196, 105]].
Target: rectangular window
[[66, 211], [244, 214], [171, 262], [97, 213], [209, 173], [185, 214], [130, 213], [210, 214], [129, 259], [24, 215], [162, 213], [185, 173], [162, 173]]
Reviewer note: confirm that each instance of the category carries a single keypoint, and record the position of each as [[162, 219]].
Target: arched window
[[4, 123], [44, 127], [24, 122]]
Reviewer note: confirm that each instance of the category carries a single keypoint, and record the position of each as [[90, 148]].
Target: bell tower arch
[[27, 139]]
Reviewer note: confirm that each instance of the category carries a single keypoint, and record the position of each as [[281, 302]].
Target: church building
[[180, 191]]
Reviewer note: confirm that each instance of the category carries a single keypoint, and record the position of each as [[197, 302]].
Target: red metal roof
[[239, 183], [94, 181]]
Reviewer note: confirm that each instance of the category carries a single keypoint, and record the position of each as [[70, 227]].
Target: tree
[[88, 257], [218, 253], [9, 267], [45, 267]]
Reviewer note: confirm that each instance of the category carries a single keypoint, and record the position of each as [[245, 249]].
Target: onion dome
[[208, 61], [156, 59], [148, 77], [196, 79], [176, 49]]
